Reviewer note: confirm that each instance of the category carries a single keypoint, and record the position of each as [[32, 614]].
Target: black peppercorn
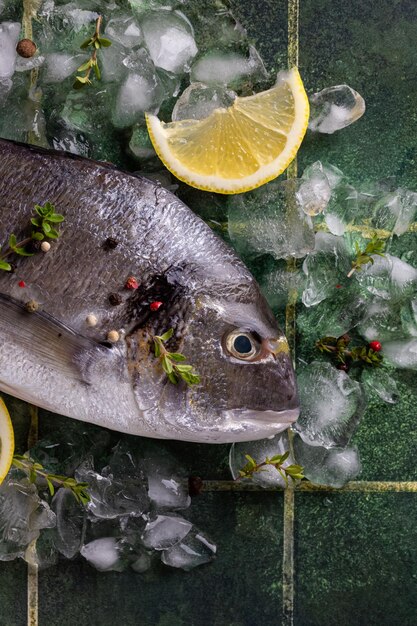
[[115, 299], [110, 244]]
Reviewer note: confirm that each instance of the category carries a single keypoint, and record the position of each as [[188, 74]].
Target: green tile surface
[[356, 560], [13, 593], [242, 587]]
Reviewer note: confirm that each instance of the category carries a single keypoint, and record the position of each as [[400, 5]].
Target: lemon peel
[[240, 148], [6, 441]]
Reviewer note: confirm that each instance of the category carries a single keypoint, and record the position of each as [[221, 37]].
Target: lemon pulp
[[239, 148]]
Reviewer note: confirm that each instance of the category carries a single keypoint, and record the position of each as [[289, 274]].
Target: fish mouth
[[268, 417]]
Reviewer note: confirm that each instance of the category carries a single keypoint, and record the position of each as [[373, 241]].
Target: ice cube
[[124, 30], [395, 211], [104, 554], [140, 144], [342, 311], [113, 496], [343, 208], [59, 66], [314, 194], [408, 314], [26, 65], [324, 268], [259, 451], [332, 468], [22, 515], [165, 531], [196, 549], [167, 492], [382, 322], [380, 382], [331, 403], [9, 36], [70, 523], [402, 353], [317, 169], [141, 91], [388, 278], [270, 220], [5, 86], [199, 100], [169, 38], [111, 64], [334, 108], [279, 283], [225, 68], [43, 552]]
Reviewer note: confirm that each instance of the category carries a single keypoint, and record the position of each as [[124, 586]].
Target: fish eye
[[242, 345]]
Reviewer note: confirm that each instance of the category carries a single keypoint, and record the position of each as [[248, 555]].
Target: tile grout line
[[32, 568], [289, 508], [359, 486]]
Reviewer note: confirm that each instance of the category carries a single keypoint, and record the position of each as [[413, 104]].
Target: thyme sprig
[[337, 347], [171, 362], [44, 218], [35, 471], [295, 472], [96, 41], [375, 246]]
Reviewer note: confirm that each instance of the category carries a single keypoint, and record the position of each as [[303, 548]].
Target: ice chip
[[43, 552], [380, 382], [140, 144], [331, 403], [60, 65], [169, 38], [104, 554], [332, 468], [334, 108], [388, 278], [270, 220], [124, 30], [167, 492], [113, 496], [259, 451], [141, 91], [9, 36], [199, 101], [402, 353], [22, 515], [111, 63], [382, 322], [278, 283], [324, 268], [196, 549], [314, 194], [318, 169], [70, 523], [395, 211], [26, 65], [342, 209], [165, 531], [224, 68]]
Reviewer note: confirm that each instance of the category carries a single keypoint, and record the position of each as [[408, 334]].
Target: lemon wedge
[[6, 441], [238, 148]]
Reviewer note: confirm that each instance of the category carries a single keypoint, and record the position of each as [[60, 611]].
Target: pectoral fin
[[55, 344]]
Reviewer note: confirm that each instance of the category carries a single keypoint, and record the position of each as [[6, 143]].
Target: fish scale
[[53, 359]]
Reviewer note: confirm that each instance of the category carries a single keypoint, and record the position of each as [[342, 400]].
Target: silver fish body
[[221, 322]]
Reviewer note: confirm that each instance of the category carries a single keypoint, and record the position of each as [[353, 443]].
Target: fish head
[[247, 387]]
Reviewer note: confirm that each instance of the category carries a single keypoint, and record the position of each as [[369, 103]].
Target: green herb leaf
[[5, 266]]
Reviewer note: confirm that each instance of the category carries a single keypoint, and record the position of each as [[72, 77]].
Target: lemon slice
[[238, 148], [6, 441]]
